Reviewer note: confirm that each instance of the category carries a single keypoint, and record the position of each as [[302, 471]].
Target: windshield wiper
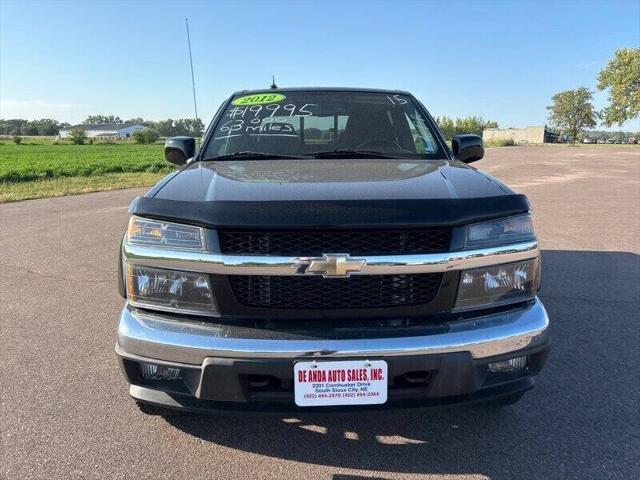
[[248, 155], [351, 154]]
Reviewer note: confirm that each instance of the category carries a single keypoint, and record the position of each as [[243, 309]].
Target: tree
[[622, 77], [77, 136], [137, 120], [447, 127], [572, 111], [192, 127], [46, 126], [12, 126], [164, 127], [473, 125], [101, 119], [146, 135], [196, 128]]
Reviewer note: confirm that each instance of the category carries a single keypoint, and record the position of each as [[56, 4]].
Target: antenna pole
[[193, 81]]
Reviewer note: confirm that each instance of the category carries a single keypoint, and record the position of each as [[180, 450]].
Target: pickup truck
[[325, 249]]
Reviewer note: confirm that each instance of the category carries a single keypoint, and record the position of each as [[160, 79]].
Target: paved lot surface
[[66, 412]]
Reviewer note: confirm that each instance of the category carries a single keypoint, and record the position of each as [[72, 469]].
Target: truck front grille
[[357, 291], [296, 243]]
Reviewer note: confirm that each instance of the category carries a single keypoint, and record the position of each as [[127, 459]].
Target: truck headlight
[[498, 285], [500, 232], [170, 290], [155, 233]]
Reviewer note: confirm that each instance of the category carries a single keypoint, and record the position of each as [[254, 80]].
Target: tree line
[[44, 126], [192, 127], [450, 127], [572, 111]]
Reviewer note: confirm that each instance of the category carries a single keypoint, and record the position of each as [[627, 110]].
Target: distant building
[[107, 131], [535, 134]]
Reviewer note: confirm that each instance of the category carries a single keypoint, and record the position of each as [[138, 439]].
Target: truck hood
[[288, 194], [330, 180]]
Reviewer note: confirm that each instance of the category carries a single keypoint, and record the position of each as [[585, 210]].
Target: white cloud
[[35, 108]]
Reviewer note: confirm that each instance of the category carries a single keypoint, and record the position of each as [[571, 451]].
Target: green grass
[[24, 163], [505, 142], [41, 169], [56, 187]]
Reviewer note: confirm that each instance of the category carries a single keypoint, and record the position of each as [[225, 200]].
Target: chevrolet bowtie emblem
[[329, 265]]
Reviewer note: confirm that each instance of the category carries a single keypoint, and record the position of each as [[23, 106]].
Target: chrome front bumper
[[162, 339]]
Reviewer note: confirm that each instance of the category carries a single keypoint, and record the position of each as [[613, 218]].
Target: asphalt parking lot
[[66, 411]]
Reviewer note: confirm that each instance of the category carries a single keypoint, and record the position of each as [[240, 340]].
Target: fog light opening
[[150, 371], [511, 365]]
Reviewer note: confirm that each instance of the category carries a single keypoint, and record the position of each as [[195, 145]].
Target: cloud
[[36, 108]]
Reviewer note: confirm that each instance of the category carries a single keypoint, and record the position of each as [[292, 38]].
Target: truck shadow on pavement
[[579, 422]]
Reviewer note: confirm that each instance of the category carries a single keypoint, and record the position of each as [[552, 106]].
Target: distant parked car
[[588, 140], [610, 141], [632, 140]]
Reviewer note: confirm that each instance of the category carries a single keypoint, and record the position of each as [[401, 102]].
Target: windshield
[[316, 123]]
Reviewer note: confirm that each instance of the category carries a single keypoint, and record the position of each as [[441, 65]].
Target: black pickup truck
[[325, 249]]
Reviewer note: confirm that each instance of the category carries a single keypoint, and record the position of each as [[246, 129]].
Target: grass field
[[42, 169]]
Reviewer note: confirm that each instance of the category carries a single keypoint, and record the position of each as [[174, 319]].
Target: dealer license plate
[[353, 382]]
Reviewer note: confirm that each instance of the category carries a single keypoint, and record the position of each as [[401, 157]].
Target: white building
[[106, 131], [535, 134]]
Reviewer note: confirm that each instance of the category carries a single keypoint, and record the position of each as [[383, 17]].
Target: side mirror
[[178, 150], [467, 148]]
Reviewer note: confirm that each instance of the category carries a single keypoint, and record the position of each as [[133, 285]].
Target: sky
[[502, 60]]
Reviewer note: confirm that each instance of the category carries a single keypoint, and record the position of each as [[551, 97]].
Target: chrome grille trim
[[218, 264]]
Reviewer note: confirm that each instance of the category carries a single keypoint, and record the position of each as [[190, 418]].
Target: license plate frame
[[343, 382]]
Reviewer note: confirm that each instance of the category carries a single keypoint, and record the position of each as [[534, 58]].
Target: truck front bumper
[[239, 368]]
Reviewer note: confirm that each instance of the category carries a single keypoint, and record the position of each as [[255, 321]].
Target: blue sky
[[502, 60]]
